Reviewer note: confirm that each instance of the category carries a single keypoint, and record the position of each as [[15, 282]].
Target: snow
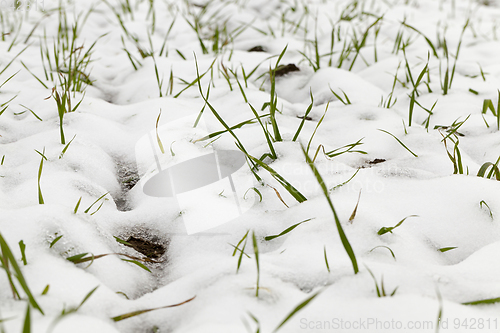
[[114, 151]]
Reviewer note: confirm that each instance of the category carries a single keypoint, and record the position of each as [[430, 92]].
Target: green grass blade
[[27, 321], [22, 247], [309, 108], [316, 128], [90, 207], [401, 143], [266, 133], [7, 253], [287, 230], [446, 249], [55, 241], [484, 301], [256, 252], [343, 237], [297, 309], [141, 265], [86, 298], [139, 312], [289, 187], [385, 230], [386, 247], [326, 259]]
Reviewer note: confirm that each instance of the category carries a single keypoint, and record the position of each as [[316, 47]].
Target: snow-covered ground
[[407, 90]]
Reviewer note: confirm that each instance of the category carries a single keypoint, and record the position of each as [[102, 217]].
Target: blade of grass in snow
[[316, 128], [160, 144], [488, 207], [386, 247], [342, 235], [380, 289], [55, 241], [256, 253], [242, 250], [27, 320], [446, 249], [139, 312], [40, 196], [82, 257], [353, 215], [239, 125], [138, 264], [385, 230], [347, 181], [440, 311], [287, 230], [484, 301], [66, 147], [22, 248], [289, 187], [326, 259], [256, 191], [297, 309], [8, 258], [90, 207], [309, 108], [401, 143], [77, 205], [266, 134]]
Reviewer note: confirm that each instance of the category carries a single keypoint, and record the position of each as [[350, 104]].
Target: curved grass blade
[[385, 230], [287, 230], [388, 248], [139, 312], [401, 143]]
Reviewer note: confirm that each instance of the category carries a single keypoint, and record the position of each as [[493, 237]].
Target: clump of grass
[[488, 105], [449, 74], [7, 260], [92, 205], [453, 134], [243, 242], [381, 288], [494, 171], [86, 257]]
